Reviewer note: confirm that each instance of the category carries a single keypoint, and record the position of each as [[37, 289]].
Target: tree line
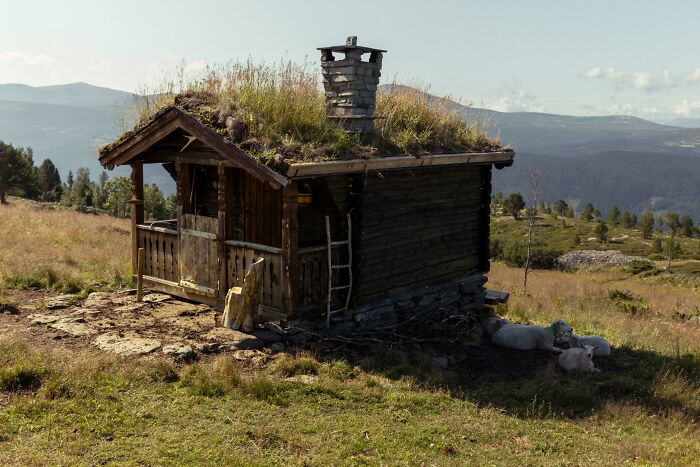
[[671, 221], [19, 176]]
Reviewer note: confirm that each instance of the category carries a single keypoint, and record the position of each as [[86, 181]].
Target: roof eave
[[311, 169], [175, 119]]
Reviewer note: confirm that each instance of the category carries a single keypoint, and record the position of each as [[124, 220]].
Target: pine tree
[[687, 226], [614, 216], [626, 219], [560, 207], [50, 181], [587, 214], [656, 246], [513, 204], [646, 224], [601, 232]]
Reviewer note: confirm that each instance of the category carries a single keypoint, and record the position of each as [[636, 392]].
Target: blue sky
[[582, 58]]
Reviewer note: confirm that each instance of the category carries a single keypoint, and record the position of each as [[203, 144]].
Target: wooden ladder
[[330, 244]]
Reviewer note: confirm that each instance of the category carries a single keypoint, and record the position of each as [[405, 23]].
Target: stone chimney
[[351, 84]]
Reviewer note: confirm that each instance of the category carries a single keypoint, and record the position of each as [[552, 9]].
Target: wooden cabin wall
[[254, 209], [418, 228], [312, 217]]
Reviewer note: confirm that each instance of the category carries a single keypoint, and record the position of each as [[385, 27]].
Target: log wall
[[419, 228]]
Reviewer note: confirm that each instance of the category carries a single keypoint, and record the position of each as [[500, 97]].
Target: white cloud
[[517, 100], [685, 108], [645, 81], [19, 59]]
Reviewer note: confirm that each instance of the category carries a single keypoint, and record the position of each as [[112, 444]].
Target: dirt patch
[[116, 322]]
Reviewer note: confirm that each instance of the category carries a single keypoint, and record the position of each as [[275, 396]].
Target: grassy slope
[[62, 249], [83, 407], [554, 235]]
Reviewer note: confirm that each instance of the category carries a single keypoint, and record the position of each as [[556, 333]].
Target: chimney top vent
[[351, 84]]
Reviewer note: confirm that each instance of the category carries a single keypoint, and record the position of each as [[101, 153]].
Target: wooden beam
[[289, 279], [136, 211], [223, 260], [141, 141], [306, 169]]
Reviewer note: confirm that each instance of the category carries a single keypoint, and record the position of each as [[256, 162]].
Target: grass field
[[63, 403]]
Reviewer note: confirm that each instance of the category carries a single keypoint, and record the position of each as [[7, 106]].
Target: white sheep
[[577, 359], [524, 337], [492, 324], [601, 345]]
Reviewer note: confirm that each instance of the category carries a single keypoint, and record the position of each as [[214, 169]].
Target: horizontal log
[[254, 246], [418, 277]]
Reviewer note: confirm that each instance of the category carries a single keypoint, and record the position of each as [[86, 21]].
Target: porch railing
[[161, 252], [242, 254]]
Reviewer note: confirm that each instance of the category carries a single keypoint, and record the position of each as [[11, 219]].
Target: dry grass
[[583, 299], [280, 110], [61, 249]]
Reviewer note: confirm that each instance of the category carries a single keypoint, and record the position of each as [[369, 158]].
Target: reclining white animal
[[492, 324], [600, 344], [524, 337], [577, 359]]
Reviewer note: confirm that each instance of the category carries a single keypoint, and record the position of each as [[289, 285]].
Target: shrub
[[261, 389], [513, 252], [628, 302], [162, 371], [225, 372], [298, 365], [199, 382], [638, 266], [21, 377]]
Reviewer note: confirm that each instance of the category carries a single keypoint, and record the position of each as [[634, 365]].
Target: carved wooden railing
[[161, 252], [242, 254]]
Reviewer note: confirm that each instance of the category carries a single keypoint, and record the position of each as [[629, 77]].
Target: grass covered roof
[[277, 114]]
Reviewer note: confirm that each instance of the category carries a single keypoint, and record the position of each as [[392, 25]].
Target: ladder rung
[[340, 287], [341, 242], [340, 266]]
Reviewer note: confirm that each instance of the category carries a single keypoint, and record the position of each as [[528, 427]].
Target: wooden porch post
[[223, 260], [289, 280], [136, 211]]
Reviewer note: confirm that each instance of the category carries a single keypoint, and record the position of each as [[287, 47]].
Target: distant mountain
[[75, 94], [608, 160], [67, 124], [685, 122]]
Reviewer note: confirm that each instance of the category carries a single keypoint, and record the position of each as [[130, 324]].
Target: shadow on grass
[[529, 384]]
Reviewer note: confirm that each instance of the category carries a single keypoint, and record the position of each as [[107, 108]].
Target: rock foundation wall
[[465, 296]]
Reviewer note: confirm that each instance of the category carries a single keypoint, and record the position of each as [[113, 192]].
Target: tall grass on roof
[[271, 109]]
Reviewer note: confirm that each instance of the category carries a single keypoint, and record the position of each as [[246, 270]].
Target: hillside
[[62, 401]]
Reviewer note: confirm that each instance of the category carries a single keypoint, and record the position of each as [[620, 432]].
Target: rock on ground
[[127, 344], [234, 340], [575, 259]]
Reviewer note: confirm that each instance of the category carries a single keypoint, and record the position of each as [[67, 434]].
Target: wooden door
[[199, 254]]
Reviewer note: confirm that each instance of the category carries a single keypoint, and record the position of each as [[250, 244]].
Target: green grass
[[99, 409], [277, 113]]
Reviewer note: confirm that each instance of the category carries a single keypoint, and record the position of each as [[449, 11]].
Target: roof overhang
[[313, 169], [174, 119]]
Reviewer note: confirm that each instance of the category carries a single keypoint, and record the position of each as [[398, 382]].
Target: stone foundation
[[465, 296]]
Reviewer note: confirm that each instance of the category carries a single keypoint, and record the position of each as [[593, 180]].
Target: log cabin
[[360, 238]]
